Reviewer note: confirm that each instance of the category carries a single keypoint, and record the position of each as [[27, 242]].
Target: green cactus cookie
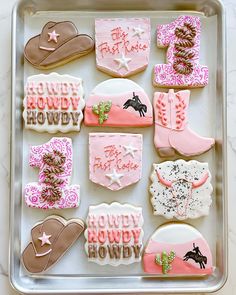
[[165, 260], [101, 109]]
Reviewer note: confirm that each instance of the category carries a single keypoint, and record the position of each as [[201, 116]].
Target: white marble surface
[[5, 69]]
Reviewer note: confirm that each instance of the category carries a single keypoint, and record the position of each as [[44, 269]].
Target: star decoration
[[138, 31], [123, 62], [114, 177], [53, 36], [130, 150], [45, 239]]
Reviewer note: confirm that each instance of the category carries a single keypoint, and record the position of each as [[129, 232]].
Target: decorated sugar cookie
[[118, 103], [181, 189], [122, 45], [177, 249], [114, 234], [171, 126], [115, 159], [53, 103], [53, 189], [50, 240], [182, 37], [57, 44]]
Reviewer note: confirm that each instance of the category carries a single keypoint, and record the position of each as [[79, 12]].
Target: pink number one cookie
[[52, 191], [182, 37]]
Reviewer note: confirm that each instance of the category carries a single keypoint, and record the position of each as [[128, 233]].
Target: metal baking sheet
[[73, 273]]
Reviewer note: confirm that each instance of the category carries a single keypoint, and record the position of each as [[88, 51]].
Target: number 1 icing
[[182, 37], [52, 191]]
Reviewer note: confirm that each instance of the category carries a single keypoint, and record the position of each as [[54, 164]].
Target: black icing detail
[[197, 256], [136, 104]]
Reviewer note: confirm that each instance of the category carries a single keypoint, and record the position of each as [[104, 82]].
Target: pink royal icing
[[182, 37], [127, 109], [179, 266], [115, 160], [69, 194], [122, 45]]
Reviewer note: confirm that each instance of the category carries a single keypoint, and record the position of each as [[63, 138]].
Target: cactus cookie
[[177, 249]]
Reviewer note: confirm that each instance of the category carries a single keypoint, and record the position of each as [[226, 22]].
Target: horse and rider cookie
[[177, 249], [118, 103]]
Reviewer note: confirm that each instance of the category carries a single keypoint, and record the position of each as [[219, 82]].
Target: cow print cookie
[[122, 45], [53, 189], [114, 234], [181, 189], [118, 103], [53, 103], [177, 249], [115, 159]]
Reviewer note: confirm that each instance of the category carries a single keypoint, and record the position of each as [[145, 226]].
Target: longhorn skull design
[[181, 189]]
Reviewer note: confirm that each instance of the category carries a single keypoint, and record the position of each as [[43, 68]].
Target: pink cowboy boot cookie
[[171, 126], [52, 191]]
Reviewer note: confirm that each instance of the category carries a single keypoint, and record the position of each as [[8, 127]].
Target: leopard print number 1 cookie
[[182, 37]]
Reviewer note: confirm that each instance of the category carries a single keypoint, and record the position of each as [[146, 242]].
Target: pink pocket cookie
[[114, 234], [177, 249], [115, 159], [52, 191], [118, 103], [122, 45], [182, 37]]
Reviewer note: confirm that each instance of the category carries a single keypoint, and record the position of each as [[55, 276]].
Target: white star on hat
[[45, 239], [114, 177], [123, 62], [53, 36], [129, 149], [138, 31]]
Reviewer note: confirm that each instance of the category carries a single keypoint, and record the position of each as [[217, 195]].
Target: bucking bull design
[[197, 256], [181, 189]]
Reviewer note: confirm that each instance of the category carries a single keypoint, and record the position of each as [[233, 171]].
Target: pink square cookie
[[115, 159]]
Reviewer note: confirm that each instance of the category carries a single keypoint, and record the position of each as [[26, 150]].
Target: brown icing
[[37, 258], [114, 251], [52, 117], [102, 252], [42, 52], [31, 118], [184, 54], [127, 252], [137, 249], [92, 251]]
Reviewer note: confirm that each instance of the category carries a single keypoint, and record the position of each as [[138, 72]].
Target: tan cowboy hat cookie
[[58, 43], [50, 240]]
